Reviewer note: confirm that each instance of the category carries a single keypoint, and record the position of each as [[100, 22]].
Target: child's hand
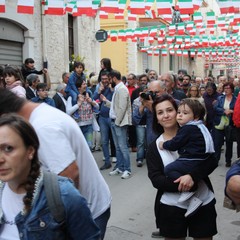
[[103, 98], [88, 99], [161, 145]]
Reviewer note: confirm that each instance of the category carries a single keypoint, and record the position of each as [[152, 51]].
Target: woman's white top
[[12, 205], [171, 198]]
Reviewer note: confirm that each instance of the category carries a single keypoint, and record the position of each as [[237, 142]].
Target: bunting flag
[[70, 6], [119, 16], [221, 21], [181, 28], [54, 7], [110, 6], [95, 7], [236, 6], [121, 5], [197, 4], [197, 17], [226, 6], [84, 7], [185, 17], [137, 7], [190, 26], [171, 29], [132, 17], [164, 7], [2, 6], [103, 15], [185, 6], [211, 19], [148, 4], [164, 52], [167, 17], [24, 6]]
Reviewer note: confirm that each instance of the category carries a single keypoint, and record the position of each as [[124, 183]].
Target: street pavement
[[132, 216]]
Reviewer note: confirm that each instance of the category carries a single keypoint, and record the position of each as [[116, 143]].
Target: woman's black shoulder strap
[[52, 191]]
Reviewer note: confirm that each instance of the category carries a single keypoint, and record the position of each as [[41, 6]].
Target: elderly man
[[31, 90], [59, 97], [168, 80], [156, 88], [152, 75]]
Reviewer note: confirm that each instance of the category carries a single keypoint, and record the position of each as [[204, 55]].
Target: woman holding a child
[[169, 213]]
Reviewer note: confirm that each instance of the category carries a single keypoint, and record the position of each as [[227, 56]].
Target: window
[[70, 36]]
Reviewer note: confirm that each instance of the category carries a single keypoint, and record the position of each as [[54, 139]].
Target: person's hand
[[45, 70], [161, 145], [103, 98], [185, 183], [80, 99], [88, 99], [101, 88], [148, 103], [228, 112]]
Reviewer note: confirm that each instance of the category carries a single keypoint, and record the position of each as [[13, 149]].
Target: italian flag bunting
[[211, 19], [132, 17], [221, 21], [181, 28], [84, 7], [197, 17], [119, 16], [2, 6], [167, 17], [185, 6], [148, 4], [54, 7], [122, 35], [236, 6], [164, 52], [103, 15], [197, 4], [25, 6], [121, 5], [110, 6], [137, 7], [164, 7], [185, 17], [226, 6], [70, 6], [185, 53]]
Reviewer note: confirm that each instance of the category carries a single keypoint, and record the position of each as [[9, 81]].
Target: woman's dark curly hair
[[30, 139]]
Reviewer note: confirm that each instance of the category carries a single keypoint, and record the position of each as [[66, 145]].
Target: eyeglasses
[[227, 88], [192, 90], [43, 90]]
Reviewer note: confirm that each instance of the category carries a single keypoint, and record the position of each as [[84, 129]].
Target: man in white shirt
[[64, 151]]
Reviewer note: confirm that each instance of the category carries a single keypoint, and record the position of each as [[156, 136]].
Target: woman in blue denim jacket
[[24, 212], [224, 108]]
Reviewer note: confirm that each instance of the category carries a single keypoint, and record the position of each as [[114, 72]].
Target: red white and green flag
[[167, 17], [148, 4], [113, 35], [95, 7], [119, 16], [211, 18], [85, 7], [25, 6], [192, 53], [132, 17], [226, 6], [122, 35], [153, 31], [103, 15], [70, 6], [2, 6], [197, 17], [54, 7], [164, 52], [236, 6], [185, 17], [160, 40], [164, 7], [185, 53], [181, 28], [179, 52], [110, 6], [122, 5], [171, 52], [156, 52], [197, 4], [179, 40], [185, 6], [171, 29], [221, 21], [137, 7], [199, 53], [192, 31], [190, 26]]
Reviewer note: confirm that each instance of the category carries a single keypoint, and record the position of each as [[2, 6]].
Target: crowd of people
[[177, 122]]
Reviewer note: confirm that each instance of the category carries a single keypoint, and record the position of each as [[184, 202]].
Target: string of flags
[[119, 7]]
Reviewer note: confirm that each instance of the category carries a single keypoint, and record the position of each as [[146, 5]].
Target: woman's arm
[[156, 171]]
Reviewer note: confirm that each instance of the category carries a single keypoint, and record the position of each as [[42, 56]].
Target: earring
[[30, 157]]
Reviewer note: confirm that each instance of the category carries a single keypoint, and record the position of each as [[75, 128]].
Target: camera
[[146, 95]]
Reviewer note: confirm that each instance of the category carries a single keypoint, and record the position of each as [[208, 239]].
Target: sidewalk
[[132, 216]]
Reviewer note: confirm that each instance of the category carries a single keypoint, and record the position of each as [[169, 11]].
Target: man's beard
[[113, 84]]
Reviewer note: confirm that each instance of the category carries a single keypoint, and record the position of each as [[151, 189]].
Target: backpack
[[54, 201]]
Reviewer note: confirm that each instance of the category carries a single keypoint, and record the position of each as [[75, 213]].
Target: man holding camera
[[155, 88]]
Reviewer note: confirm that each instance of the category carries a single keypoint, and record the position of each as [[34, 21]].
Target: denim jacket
[[39, 223], [219, 110]]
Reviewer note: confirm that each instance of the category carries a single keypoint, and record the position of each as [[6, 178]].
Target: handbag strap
[[52, 191]]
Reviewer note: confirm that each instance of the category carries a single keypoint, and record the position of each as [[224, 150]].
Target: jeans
[[141, 140], [218, 139], [105, 128], [87, 131], [122, 152], [102, 221]]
